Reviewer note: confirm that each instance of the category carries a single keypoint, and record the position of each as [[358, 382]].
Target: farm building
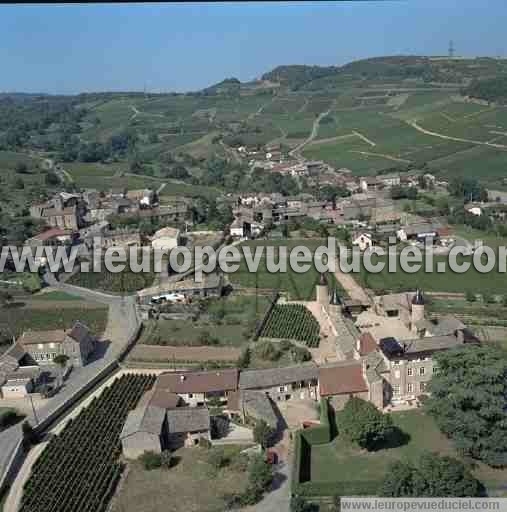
[[282, 384], [342, 381], [43, 346], [197, 388]]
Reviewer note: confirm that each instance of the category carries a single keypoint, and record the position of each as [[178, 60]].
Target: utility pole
[[33, 409]]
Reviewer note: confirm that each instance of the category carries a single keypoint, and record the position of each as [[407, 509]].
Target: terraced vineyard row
[[80, 467], [292, 322]]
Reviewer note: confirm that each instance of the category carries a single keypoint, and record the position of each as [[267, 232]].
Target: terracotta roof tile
[[341, 379]]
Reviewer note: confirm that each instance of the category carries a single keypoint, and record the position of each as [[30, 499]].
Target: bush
[[260, 474], [151, 460]]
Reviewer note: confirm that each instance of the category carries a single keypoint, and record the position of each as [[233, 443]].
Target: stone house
[[198, 388], [339, 382], [77, 344], [161, 422], [283, 384]]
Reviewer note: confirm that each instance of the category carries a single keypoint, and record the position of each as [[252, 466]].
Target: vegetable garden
[[292, 322], [80, 467]]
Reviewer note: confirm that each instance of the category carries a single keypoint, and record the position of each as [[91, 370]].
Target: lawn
[[13, 321], [191, 486], [340, 460], [299, 286], [126, 281]]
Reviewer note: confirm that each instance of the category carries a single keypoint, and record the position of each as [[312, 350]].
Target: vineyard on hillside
[[292, 322], [80, 467]]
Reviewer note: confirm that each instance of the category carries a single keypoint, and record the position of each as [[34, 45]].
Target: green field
[[493, 282], [299, 286], [14, 320], [342, 461], [230, 322]]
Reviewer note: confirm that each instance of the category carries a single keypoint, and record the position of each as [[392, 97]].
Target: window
[[435, 368], [396, 390], [281, 389], [396, 363], [410, 388], [422, 370], [190, 395], [422, 387], [410, 372]]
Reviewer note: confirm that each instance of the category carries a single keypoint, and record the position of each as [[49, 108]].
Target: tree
[[219, 426], [30, 437], [298, 504], [244, 359], [364, 424], [263, 434], [431, 476], [468, 400], [151, 460]]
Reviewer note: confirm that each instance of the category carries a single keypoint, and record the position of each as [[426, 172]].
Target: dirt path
[[449, 118], [388, 157], [315, 128], [414, 124], [365, 139], [349, 284], [332, 139]]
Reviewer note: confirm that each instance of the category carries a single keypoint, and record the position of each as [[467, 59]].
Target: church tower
[[323, 292], [417, 313]]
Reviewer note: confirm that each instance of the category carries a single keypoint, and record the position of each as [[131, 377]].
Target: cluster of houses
[[84, 217], [386, 351], [33, 354]]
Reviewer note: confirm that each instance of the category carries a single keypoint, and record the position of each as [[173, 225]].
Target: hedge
[[343, 488], [301, 475]]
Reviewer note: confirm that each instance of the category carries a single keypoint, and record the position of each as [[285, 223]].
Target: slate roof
[[341, 379], [188, 419], [199, 382], [258, 405], [447, 325], [256, 379], [431, 343], [144, 419]]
